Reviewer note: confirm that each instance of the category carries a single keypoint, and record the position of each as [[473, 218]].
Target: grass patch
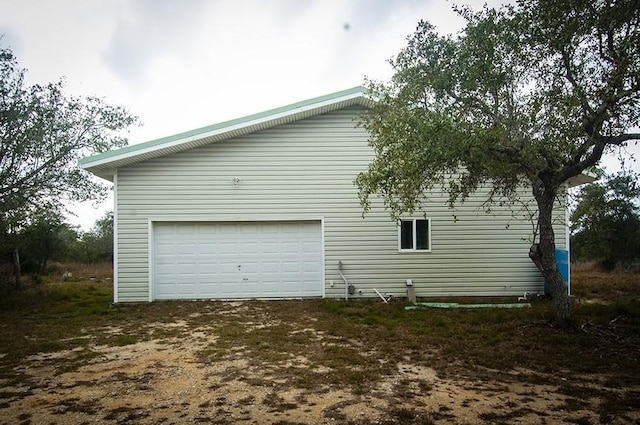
[[50, 318], [505, 418], [352, 345], [409, 416], [124, 415], [589, 282], [122, 340], [58, 299], [75, 405], [81, 272], [618, 405], [276, 403]]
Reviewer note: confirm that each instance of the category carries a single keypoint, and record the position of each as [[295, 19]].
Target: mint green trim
[[157, 143]]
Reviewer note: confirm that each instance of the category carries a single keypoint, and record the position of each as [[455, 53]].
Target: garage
[[227, 260]]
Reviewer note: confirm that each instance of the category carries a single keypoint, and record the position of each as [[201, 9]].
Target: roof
[[104, 164], [584, 178]]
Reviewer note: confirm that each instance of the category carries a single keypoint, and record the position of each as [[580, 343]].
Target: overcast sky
[[184, 64]]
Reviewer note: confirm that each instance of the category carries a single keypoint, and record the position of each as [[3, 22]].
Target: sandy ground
[[165, 381]]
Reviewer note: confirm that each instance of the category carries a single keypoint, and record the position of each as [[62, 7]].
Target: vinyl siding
[[305, 170]]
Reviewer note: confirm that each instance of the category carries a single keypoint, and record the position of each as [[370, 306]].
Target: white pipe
[[380, 295], [346, 282]]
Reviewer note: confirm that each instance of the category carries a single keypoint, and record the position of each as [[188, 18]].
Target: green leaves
[[524, 96], [43, 133], [404, 155], [531, 94], [606, 221]]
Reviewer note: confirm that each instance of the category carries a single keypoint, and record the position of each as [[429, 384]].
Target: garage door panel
[[165, 249], [311, 267], [290, 247], [290, 267], [205, 268], [238, 260], [270, 268], [249, 248], [310, 247], [270, 248], [208, 247], [225, 267]]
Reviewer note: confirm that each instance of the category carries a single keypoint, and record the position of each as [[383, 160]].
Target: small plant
[[122, 340], [277, 403]]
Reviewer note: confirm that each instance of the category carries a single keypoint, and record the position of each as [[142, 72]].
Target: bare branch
[[621, 138], [589, 161], [577, 88]]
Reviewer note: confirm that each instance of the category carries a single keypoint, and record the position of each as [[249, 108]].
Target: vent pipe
[[346, 282]]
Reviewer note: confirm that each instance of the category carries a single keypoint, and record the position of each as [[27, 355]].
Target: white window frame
[[414, 234]]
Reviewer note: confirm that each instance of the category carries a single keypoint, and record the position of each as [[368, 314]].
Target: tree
[[97, 244], [606, 221], [524, 96], [46, 237], [43, 132]]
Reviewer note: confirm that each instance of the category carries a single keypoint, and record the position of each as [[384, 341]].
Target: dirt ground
[[166, 379]]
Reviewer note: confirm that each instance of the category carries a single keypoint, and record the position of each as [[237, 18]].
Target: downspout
[[346, 282]]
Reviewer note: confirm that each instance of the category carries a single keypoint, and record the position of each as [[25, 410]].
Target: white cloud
[[183, 64], [148, 28]]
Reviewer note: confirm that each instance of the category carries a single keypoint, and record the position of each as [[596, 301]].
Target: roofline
[[585, 177], [97, 163]]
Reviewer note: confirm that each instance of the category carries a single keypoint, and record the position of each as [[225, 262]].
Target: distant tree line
[[43, 133], [606, 223], [48, 238]]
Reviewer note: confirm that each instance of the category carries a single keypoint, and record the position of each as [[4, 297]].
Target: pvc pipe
[[380, 295], [346, 282]]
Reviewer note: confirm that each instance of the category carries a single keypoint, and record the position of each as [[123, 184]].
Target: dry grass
[[353, 346], [590, 282], [82, 271]]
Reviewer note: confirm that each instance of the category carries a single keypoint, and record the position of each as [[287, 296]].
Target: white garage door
[[237, 260]]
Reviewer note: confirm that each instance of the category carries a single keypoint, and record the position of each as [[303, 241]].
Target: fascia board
[[585, 177]]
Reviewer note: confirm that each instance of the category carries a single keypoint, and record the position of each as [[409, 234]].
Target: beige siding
[[305, 170]]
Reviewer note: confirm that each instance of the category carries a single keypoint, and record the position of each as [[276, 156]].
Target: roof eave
[[103, 164], [583, 178], [103, 174]]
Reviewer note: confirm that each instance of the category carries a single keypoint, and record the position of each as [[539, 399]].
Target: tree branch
[[591, 160], [27, 179], [621, 138], [473, 102], [584, 102]]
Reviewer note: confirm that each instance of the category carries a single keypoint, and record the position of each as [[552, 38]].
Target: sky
[[184, 64]]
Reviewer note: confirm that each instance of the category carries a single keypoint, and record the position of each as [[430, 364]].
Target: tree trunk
[[43, 265], [543, 254], [17, 270]]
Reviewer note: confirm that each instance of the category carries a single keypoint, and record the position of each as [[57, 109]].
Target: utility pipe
[[346, 282], [381, 297]]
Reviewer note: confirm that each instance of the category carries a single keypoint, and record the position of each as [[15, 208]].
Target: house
[[265, 207]]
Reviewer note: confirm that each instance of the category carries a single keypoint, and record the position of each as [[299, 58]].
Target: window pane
[[406, 235], [422, 234]]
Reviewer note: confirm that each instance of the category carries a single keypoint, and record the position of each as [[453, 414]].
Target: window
[[414, 235]]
